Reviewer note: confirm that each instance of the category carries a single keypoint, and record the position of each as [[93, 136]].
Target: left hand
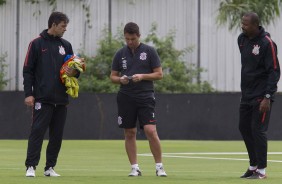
[[70, 71], [137, 77], [264, 105]]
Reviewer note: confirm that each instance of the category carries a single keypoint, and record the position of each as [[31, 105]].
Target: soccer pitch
[[105, 162]]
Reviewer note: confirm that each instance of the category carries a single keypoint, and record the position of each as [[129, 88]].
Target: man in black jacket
[[45, 92], [260, 74]]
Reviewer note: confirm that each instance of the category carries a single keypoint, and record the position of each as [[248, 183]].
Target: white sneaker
[[51, 172], [135, 172], [161, 172], [30, 172]]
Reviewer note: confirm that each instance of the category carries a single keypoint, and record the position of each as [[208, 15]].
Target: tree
[[53, 3], [98, 68], [178, 76], [3, 65], [2, 2], [231, 11]]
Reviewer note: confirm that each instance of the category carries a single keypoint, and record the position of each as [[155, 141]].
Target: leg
[[56, 130], [41, 119], [259, 131], [127, 120], [130, 145], [154, 142], [147, 120], [245, 128]]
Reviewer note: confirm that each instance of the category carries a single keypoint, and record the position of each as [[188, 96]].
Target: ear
[[54, 25]]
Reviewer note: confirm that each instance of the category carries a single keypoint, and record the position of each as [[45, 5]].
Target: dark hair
[[254, 17], [57, 17], [131, 28]]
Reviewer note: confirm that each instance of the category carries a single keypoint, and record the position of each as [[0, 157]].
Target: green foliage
[[98, 68], [231, 11], [2, 2], [178, 76], [3, 65], [53, 3]]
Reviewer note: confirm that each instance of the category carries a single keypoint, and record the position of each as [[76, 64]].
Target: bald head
[[254, 18]]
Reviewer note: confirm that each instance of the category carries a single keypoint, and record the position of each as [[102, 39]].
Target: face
[[247, 26], [132, 40], [59, 30]]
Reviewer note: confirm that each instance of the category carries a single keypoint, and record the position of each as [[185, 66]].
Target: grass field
[[105, 162]]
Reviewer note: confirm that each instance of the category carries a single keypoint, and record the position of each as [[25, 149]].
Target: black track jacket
[[260, 70], [41, 71]]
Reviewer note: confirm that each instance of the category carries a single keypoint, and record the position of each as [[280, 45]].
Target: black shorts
[[130, 109]]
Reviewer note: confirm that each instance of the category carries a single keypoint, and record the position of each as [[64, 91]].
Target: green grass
[[105, 162]]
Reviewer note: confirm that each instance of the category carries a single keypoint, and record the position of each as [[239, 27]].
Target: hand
[[124, 80], [29, 101], [137, 77], [70, 71], [264, 105], [82, 60]]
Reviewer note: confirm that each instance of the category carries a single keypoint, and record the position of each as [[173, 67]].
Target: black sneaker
[[248, 173], [257, 175]]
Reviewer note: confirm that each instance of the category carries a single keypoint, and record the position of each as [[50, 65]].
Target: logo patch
[[37, 106], [124, 64], [62, 50], [143, 56], [119, 120], [256, 50]]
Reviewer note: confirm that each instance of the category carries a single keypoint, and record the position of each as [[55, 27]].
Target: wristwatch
[[267, 96]]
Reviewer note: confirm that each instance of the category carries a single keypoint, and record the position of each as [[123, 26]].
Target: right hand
[[124, 80], [29, 101]]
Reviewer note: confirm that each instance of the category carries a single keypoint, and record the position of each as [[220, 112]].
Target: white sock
[[135, 166], [252, 168], [159, 165], [261, 171]]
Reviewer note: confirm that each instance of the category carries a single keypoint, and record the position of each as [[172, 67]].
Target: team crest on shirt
[[62, 50], [143, 56], [256, 50]]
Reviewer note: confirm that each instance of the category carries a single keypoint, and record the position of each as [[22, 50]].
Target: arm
[[156, 75], [272, 68], [29, 74], [155, 64], [116, 79], [273, 71]]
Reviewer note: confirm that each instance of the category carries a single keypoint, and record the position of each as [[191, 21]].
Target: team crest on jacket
[[62, 50], [143, 56], [256, 50]]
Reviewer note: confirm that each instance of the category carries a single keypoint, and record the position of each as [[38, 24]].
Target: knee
[[150, 131], [130, 133], [244, 129]]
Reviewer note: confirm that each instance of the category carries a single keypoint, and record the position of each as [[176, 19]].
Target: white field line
[[219, 153], [182, 155]]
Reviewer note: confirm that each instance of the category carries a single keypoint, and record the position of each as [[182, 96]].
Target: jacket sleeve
[[29, 70], [272, 67]]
